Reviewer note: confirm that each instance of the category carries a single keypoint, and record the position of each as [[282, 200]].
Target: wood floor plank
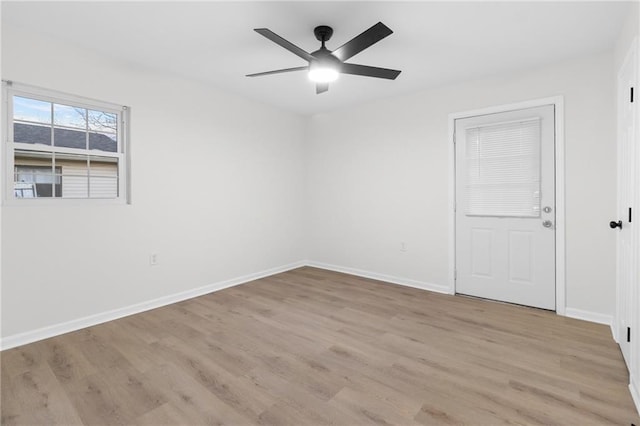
[[41, 398], [189, 399], [167, 415], [296, 404], [315, 347], [224, 385], [9, 401], [370, 409], [22, 359], [66, 361]]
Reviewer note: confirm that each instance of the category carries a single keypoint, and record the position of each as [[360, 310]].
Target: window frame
[[11, 89]]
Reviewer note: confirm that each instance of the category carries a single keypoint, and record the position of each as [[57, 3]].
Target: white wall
[[628, 32], [378, 176], [216, 192]]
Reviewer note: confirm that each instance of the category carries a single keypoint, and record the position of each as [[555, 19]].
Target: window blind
[[502, 164]]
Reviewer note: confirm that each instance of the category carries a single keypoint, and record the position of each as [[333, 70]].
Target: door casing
[[558, 102]]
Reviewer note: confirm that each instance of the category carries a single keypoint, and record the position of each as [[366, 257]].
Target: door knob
[[615, 225], [547, 223]]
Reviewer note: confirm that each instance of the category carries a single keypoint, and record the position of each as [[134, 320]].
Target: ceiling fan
[[325, 65]]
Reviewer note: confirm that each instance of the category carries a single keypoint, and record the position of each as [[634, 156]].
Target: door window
[[502, 163]]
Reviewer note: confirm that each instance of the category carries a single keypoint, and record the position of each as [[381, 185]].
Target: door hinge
[[629, 214], [628, 334], [631, 95], [455, 274]]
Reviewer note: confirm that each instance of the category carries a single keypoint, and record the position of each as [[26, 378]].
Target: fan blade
[[367, 71], [284, 43], [321, 88], [362, 41], [258, 74]]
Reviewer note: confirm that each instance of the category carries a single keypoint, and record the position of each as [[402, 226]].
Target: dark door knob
[[615, 225]]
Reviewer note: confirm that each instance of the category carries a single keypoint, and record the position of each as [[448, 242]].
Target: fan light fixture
[[323, 74], [325, 65]]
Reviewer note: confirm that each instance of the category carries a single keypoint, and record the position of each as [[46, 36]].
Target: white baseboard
[[77, 324], [589, 316], [382, 277], [635, 395]]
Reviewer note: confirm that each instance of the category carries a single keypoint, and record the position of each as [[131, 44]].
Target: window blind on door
[[502, 164]]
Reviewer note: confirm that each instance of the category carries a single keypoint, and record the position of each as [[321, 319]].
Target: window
[[63, 146], [503, 169]]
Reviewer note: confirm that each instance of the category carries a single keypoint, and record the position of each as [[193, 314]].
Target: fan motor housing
[[323, 33], [326, 59]]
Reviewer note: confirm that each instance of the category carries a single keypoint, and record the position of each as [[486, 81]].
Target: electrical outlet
[[403, 246], [153, 259]]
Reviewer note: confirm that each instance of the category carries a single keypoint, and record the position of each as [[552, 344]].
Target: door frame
[[560, 259]]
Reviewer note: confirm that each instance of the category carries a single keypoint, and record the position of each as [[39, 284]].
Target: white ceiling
[[434, 43]]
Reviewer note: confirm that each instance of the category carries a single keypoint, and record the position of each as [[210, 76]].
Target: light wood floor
[[311, 347]]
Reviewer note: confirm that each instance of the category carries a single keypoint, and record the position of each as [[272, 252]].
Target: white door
[[627, 185], [505, 206]]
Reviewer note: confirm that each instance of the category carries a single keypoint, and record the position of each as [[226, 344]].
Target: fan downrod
[[323, 33]]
